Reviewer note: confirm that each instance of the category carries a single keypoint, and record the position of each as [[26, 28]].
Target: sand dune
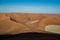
[[13, 23]]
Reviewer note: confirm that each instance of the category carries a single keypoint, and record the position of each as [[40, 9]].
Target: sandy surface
[[53, 28], [13, 23]]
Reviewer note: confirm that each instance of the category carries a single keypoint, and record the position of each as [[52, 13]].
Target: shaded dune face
[[15, 23]]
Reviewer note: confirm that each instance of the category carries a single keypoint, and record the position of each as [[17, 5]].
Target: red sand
[[12, 23]]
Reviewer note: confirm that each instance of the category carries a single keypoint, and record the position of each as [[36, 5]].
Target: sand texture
[[14, 23]]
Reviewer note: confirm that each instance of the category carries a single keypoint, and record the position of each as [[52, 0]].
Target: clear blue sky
[[33, 6]]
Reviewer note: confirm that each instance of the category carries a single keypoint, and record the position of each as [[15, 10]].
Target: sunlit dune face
[[10, 27], [3, 17], [34, 16]]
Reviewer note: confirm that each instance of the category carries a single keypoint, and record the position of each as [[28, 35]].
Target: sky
[[30, 6]]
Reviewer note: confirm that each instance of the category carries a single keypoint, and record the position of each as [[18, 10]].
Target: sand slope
[[14, 23]]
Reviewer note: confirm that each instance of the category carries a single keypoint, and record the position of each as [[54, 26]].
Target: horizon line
[[30, 12]]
